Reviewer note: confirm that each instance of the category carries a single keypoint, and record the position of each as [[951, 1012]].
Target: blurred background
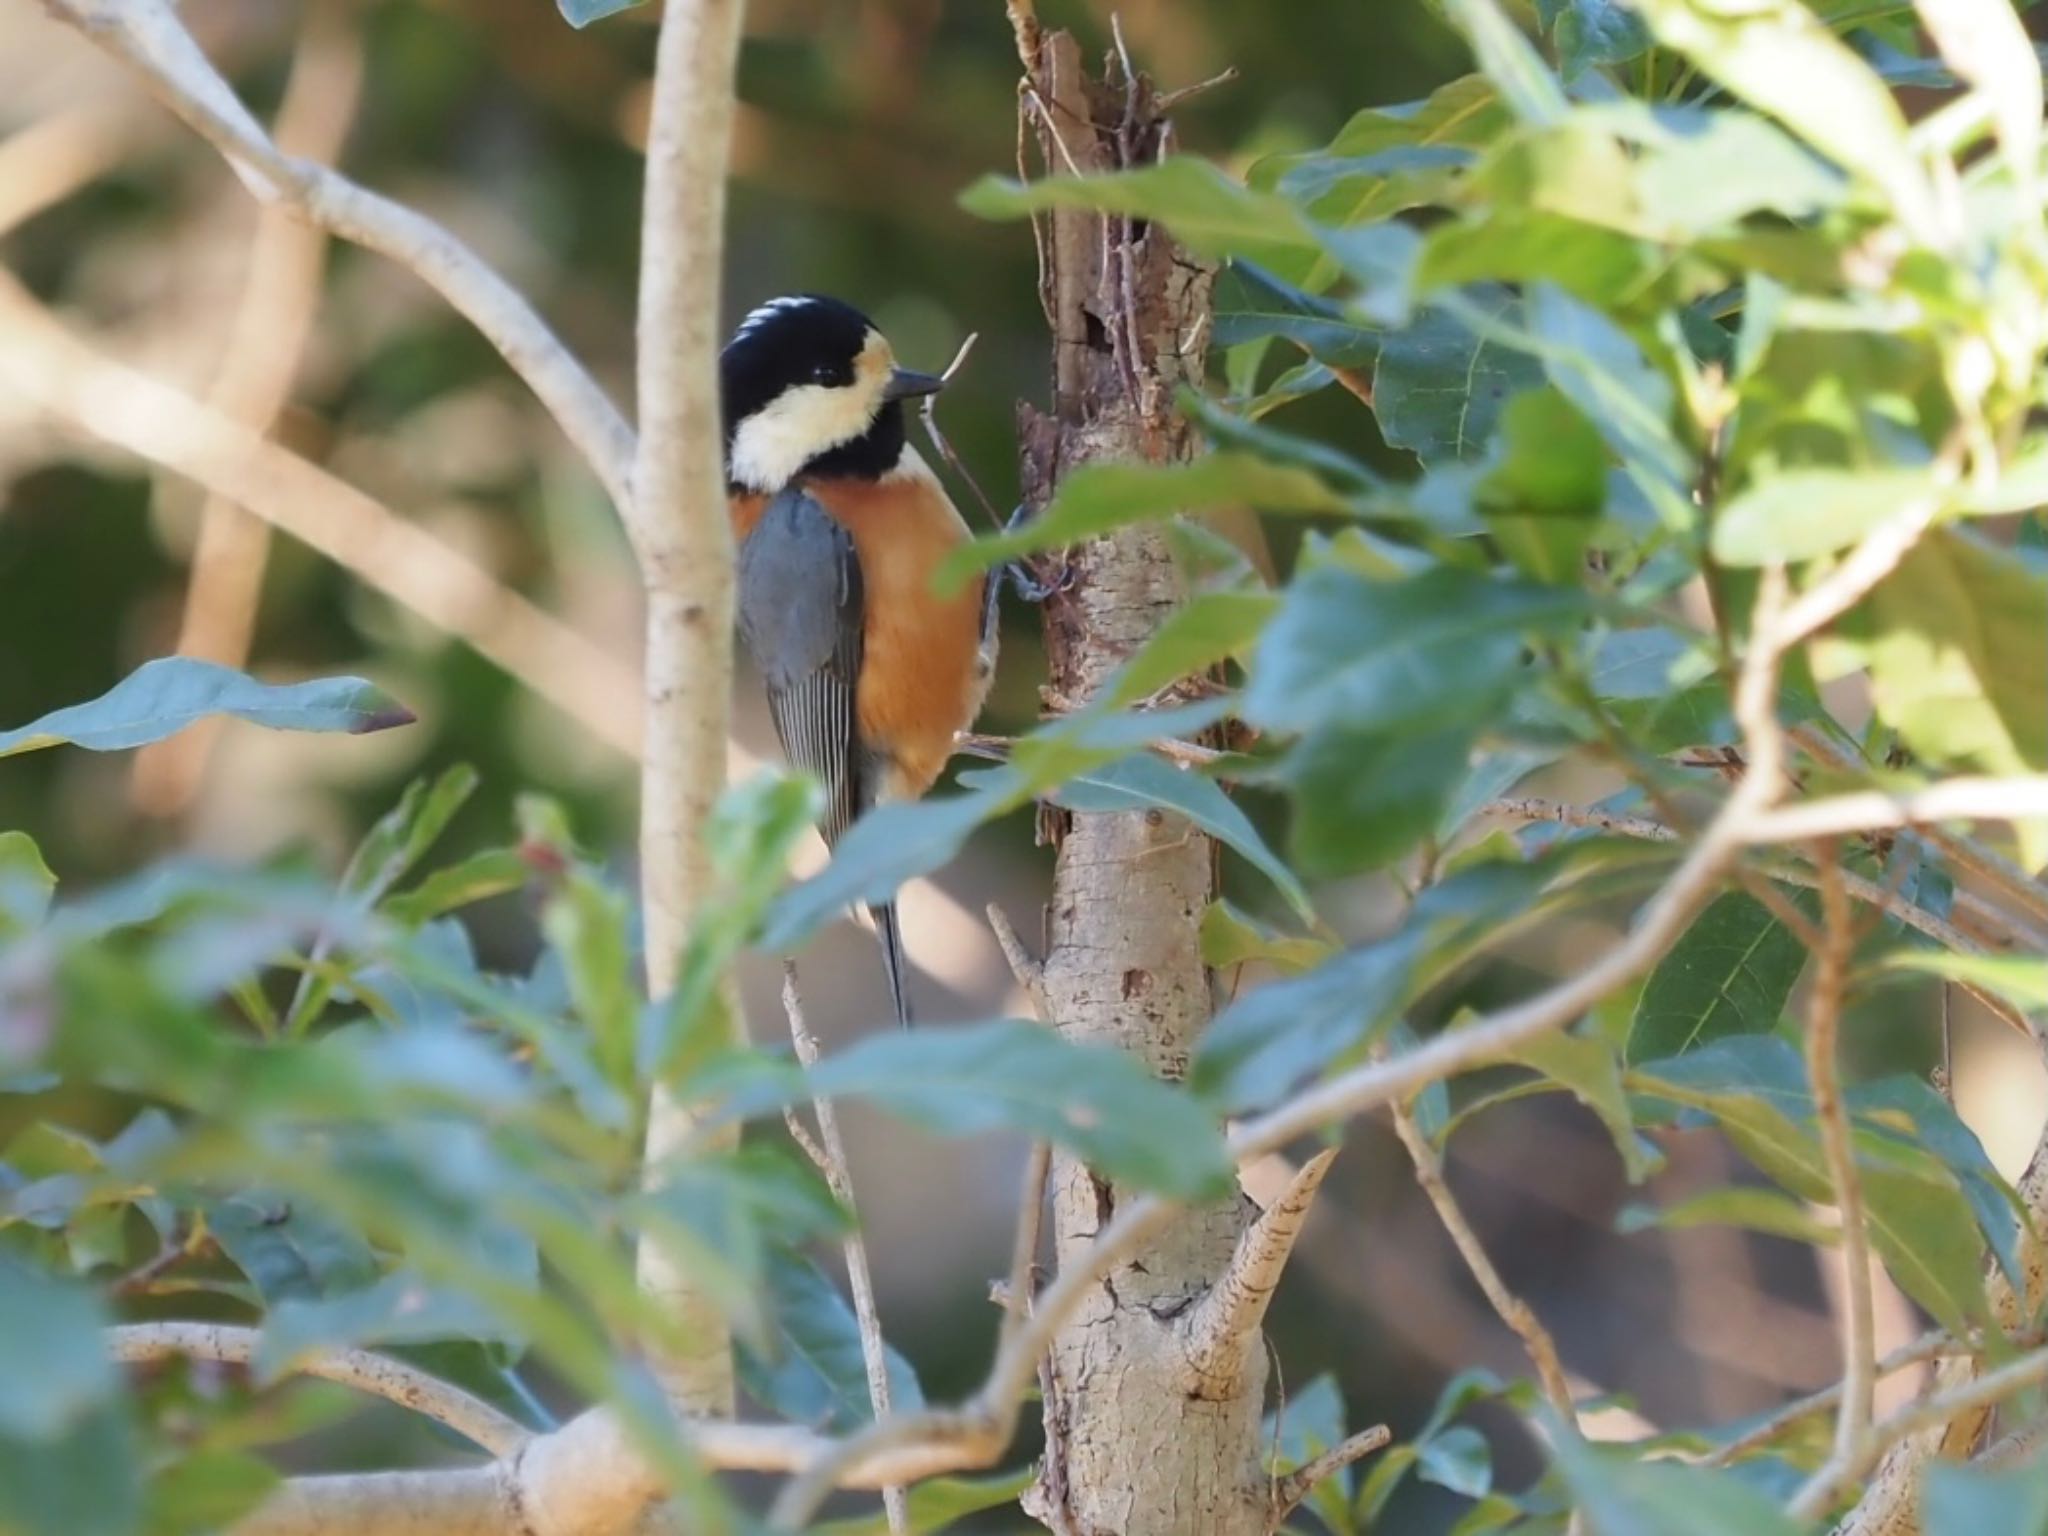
[[862, 121]]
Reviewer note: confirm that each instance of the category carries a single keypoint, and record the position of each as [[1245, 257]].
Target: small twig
[[175, 1250], [1027, 968], [1823, 1069], [859, 1280], [1188, 754], [1520, 1318], [927, 415], [1166, 101], [1295, 1486], [392, 1380], [1929, 1346], [2023, 797]]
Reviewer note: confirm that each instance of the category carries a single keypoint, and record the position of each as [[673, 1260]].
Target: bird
[[840, 528]]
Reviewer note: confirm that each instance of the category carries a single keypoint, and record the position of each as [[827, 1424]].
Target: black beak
[[906, 383]]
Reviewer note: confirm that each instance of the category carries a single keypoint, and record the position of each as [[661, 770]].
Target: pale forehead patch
[[762, 314]]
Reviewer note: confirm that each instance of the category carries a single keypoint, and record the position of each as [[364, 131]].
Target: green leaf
[[1913, 1110], [1431, 650], [1145, 781], [57, 1369], [812, 1372], [1205, 631], [1586, 1065], [1983, 1502], [1956, 640], [1208, 212], [936, 1503], [2021, 980], [1362, 798], [1439, 388], [1986, 44], [1618, 1494], [1510, 61], [26, 885], [287, 1248], [1232, 938], [162, 697], [1782, 60], [1756, 1210], [1301, 1427], [86, 1481], [1457, 1458], [1919, 1218], [1797, 514], [208, 1491], [1545, 486], [1729, 974], [1602, 370], [1252, 305], [1097, 1102], [1099, 498], [492, 872]]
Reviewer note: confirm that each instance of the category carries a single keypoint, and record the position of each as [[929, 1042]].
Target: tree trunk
[[1145, 1431]]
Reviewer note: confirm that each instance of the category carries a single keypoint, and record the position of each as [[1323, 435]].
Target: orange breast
[[921, 679]]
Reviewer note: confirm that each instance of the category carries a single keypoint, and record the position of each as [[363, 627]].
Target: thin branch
[[1929, 1346], [377, 1375], [2022, 797], [148, 37], [1027, 968], [49, 160], [280, 295], [927, 413], [1823, 1070], [1221, 1331], [1993, 1387], [1290, 1490], [1510, 1308], [48, 366], [682, 534], [859, 1280]]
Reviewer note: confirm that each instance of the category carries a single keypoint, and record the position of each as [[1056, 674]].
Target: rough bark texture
[[1141, 1436]]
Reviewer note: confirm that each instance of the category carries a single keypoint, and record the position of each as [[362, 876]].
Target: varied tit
[[841, 526]]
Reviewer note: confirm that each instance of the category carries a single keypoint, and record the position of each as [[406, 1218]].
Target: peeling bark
[[1140, 1438]]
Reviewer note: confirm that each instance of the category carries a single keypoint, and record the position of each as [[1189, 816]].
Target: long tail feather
[[890, 932]]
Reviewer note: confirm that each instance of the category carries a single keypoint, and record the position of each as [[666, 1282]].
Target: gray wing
[[800, 613]]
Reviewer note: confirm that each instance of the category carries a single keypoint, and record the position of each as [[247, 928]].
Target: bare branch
[[1290, 1490], [51, 368], [148, 37], [683, 535], [2020, 798], [1222, 1330], [392, 1380], [1823, 1070], [1510, 1308], [49, 160], [839, 1176]]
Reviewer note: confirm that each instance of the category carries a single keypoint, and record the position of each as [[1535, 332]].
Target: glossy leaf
[[1586, 1065], [1439, 388], [1749, 1207], [812, 1370], [1145, 781], [1729, 974], [2021, 980], [1618, 1493], [581, 13], [162, 697], [1983, 1502]]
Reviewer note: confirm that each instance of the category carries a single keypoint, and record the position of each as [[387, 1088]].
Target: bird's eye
[[824, 373]]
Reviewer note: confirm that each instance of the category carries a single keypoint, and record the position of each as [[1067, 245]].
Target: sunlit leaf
[[26, 884], [1797, 514]]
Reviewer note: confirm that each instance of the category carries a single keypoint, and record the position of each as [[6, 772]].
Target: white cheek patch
[[775, 442]]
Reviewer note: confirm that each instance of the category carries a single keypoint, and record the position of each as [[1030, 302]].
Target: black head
[[810, 386]]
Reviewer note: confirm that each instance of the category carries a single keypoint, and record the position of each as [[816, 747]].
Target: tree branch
[[1510, 1308], [377, 1375], [2022, 797], [1222, 1330], [1291, 1489], [682, 534], [1823, 1070], [148, 37]]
